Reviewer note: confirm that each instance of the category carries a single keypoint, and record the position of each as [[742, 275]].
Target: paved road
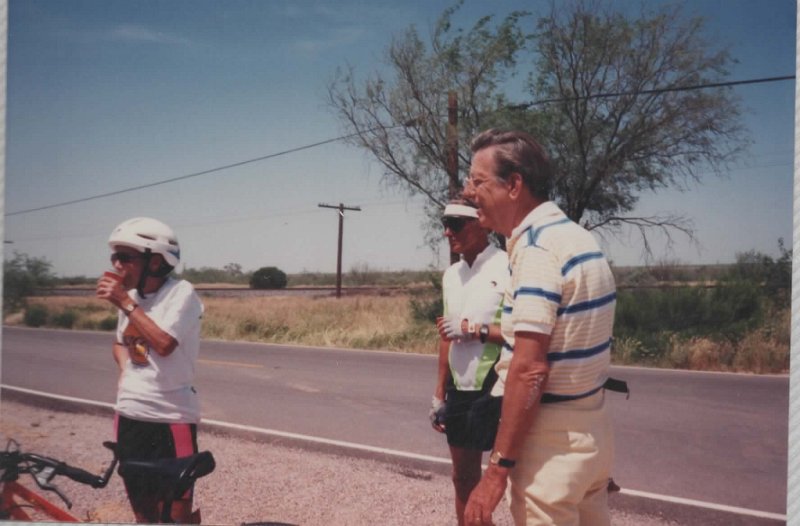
[[717, 438]]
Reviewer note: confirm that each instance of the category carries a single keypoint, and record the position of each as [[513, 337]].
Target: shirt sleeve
[[536, 289], [183, 313]]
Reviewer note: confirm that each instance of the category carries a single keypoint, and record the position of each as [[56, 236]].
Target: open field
[[389, 323], [362, 322]]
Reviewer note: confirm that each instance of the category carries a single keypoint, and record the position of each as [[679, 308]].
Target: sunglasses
[[124, 258], [455, 224]]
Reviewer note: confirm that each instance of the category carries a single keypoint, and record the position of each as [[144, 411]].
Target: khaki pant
[[562, 472]]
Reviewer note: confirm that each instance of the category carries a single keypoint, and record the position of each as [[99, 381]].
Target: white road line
[[412, 456], [707, 505], [57, 397], [327, 441]]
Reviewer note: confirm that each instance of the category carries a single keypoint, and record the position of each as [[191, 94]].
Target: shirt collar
[[548, 209], [483, 256]]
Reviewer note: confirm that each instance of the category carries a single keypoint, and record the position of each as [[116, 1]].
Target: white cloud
[[338, 37], [134, 33]]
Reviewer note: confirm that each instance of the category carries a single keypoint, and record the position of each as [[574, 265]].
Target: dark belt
[[611, 384]]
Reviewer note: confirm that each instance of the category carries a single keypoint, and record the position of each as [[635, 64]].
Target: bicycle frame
[[15, 497]]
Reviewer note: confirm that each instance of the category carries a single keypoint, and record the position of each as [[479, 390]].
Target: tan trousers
[[562, 472]]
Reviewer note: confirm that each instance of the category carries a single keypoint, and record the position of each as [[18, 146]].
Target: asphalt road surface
[[719, 439]]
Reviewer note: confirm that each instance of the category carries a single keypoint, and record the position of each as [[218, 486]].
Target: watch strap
[[506, 462], [483, 333], [497, 459]]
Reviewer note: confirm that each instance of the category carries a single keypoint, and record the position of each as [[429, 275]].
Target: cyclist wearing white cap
[[156, 348], [469, 347]]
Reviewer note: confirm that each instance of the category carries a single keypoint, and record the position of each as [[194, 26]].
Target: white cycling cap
[[457, 210]]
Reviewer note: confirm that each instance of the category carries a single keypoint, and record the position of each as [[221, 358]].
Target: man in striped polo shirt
[[554, 446]]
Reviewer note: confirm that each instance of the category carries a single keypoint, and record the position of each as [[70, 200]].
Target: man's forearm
[[161, 342], [525, 382]]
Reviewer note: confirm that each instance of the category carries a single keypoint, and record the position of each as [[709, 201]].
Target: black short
[[140, 440], [472, 417]]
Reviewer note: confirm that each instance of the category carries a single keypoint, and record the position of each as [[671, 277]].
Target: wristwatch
[[483, 333], [497, 459], [130, 307], [470, 328]]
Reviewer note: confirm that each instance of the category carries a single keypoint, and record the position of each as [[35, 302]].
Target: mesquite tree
[[400, 118], [630, 110], [620, 102]]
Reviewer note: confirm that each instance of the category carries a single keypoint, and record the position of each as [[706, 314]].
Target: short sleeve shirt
[[561, 285], [154, 387]]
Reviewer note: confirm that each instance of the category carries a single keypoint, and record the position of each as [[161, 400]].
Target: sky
[[104, 95]]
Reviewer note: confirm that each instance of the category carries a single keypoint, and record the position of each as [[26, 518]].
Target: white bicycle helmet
[[149, 236]]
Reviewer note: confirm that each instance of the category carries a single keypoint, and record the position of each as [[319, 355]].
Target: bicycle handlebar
[[79, 475], [45, 469]]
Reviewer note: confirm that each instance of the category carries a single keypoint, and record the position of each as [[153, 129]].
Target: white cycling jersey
[[475, 293]]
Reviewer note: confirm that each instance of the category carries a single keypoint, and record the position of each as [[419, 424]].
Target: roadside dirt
[[254, 482]]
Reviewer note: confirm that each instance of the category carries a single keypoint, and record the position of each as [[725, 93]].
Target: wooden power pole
[[452, 152], [341, 208]]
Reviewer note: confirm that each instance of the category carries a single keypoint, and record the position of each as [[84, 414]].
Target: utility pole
[[341, 208], [452, 152]]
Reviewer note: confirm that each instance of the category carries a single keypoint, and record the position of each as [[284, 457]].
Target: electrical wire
[[345, 137], [650, 91], [182, 177]]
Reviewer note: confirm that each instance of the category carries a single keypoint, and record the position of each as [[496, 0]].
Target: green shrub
[[36, 315], [268, 278], [427, 305], [426, 309], [65, 319], [22, 275], [109, 323], [660, 318]]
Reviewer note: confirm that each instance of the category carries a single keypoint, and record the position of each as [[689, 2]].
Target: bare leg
[[466, 475], [182, 511]]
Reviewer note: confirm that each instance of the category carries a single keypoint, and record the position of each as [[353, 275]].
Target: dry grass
[[764, 350], [385, 323], [91, 313], [362, 322], [368, 322]]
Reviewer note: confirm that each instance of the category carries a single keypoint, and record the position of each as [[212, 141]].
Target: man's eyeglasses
[[455, 224], [122, 257]]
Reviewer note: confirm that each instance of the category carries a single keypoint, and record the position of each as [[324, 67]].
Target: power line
[[182, 177], [356, 134], [651, 91]]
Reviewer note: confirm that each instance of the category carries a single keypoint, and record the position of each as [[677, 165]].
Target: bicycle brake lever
[[43, 479]]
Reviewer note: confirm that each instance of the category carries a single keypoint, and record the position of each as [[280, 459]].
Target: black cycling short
[[472, 417], [140, 440]]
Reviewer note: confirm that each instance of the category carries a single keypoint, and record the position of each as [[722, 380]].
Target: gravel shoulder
[[254, 482]]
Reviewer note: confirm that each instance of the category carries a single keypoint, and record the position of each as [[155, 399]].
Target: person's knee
[[466, 478]]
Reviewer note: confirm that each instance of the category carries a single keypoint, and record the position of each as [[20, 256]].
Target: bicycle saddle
[[173, 473]]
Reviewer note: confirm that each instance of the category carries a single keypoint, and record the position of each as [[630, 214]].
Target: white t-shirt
[[475, 293], [154, 387]]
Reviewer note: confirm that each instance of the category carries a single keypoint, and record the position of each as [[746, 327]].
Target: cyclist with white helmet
[[156, 348]]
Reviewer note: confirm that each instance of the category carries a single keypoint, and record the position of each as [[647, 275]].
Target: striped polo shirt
[[561, 285]]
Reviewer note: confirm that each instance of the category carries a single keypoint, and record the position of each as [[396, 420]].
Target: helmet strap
[[148, 255]]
